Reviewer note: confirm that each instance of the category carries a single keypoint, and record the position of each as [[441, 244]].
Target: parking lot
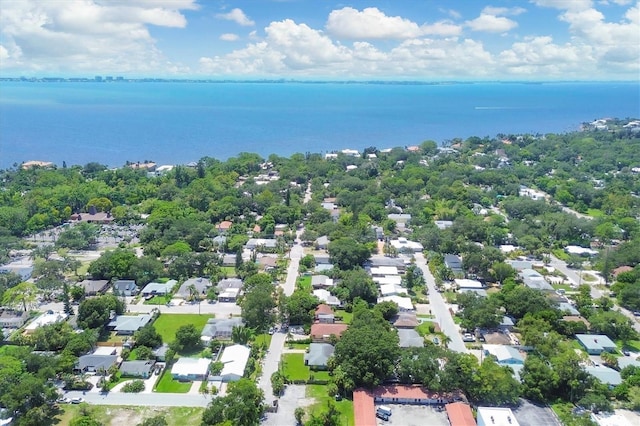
[[529, 414], [415, 415]]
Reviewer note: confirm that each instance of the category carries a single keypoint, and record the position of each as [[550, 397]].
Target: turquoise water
[[180, 122]]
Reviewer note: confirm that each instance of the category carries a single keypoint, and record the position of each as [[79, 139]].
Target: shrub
[[135, 386]]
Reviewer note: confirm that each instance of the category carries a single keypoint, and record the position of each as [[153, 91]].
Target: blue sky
[[324, 39]]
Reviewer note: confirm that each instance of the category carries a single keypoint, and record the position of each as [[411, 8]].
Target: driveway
[[293, 397], [142, 399], [439, 308]]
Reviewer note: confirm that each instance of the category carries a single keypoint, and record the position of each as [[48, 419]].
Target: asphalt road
[[439, 308]]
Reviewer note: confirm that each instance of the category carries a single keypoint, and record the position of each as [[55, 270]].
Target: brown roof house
[[321, 332]]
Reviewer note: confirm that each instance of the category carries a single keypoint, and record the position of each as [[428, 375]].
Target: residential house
[[158, 289], [22, 267], [321, 281], [506, 324], [190, 369], [409, 338], [387, 280], [224, 226], [229, 260], [161, 352], [453, 262], [103, 218], [228, 283], [125, 288], [46, 318], [94, 287], [377, 261], [235, 360], [220, 328], [480, 292], [13, 319], [268, 263], [322, 243], [595, 344], [262, 244], [219, 240], [568, 309], [443, 224], [201, 285], [322, 332], [327, 297], [324, 314], [606, 375], [129, 324], [381, 271], [467, 283], [413, 395], [520, 265], [392, 290], [143, 368], [406, 320], [460, 414], [404, 303], [92, 363], [496, 416], [535, 280], [229, 295], [317, 355], [321, 259], [405, 246], [504, 355]]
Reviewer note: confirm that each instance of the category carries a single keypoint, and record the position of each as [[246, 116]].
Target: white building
[[47, 318], [404, 245], [380, 271], [388, 279], [190, 369], [466, 283], [496, 416], [404, 303], [392, 290], [235, 360]]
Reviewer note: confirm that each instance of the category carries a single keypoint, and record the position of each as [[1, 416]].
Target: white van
[[384, 409]]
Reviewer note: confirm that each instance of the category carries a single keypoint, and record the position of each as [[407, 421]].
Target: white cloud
[[229, 37], [540, 56], [87, 35], [4, 53], [370, 23], [564, 4], [491, 23], [237, 15], [441, 28], [490, 10]]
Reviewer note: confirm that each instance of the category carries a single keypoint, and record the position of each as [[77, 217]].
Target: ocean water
[[175, 123]]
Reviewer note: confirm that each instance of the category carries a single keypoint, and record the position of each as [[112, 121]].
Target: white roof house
[[384, 270], [404, 245], [504, 354], [404, 303], [467, 283], [388, 279], [392, 289], [47, 318], [580, 251], [191, 368], [496, 416], [326, 297], [235, 360]]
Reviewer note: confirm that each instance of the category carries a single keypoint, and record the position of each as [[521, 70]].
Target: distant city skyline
[[322, 39]]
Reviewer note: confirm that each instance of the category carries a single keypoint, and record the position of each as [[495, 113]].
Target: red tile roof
[[621, 269], [413, 392], [460, 414], [319, 330], [225, 224], [363, 408], [323, 309]]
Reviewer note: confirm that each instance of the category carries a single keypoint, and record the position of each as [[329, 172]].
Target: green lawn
[[294, 368], [304, 283], [560, 254], [346, 316], [632, 345], [168, 324], [293, 345], [112, 415], [595, 213], [319, 393], [229, 271], [263, 338], [166, 384], [425, 328], [567, 288], [158, 300]]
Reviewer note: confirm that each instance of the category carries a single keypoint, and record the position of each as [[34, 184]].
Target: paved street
[[439, 308]]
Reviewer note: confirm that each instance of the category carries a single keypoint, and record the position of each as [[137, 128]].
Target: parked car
[[382, 416], [436, 341], [468, 337], [626, 352], [77, 400]]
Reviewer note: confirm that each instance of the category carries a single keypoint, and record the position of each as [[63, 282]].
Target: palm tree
[[241, 334]]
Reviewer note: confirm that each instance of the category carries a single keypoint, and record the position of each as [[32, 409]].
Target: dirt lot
[[415, 415]]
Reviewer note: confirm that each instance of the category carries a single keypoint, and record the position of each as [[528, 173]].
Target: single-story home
[[322, 242], [381, 271], [520, 265], [129, 324], [227, 283], [201, 284], [321, 259], [378, 260], [392, 290], [406, 320], [506, 323], [496, 416], [414, 395], [321, 281], [606, 375], [503, 354], [46, 318], [595, 344], [409, 338], [229, 260], [405, 246], [324, 314], [219, 240], [327, 297], [161, 352], [453, 262], [467, 283], [141, 368], [580, 251], [268, 244], [92, 363], [460, 414], [404, 303], [568, 308], [443, 224], [480, 292], [125, 288], [94, 287], [157, 289], [268, 262], [535, 280], [387, 280], [318, 354], [321, 332], [13, 319], [235, 360], [189, 369], [399, 217], [224, 226], [220, 328], [229, 295]]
